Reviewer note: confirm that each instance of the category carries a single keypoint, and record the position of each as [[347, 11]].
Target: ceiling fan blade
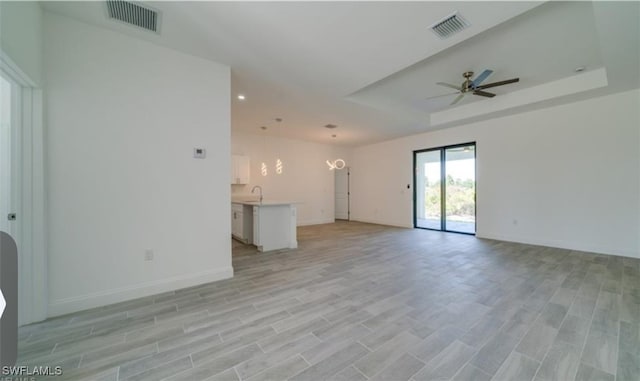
[[481, 78], [494, 84], [484, 93], [443, 95], [448, 85], [458, 98]]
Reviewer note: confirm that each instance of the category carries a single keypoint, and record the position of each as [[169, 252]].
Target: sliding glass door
[[445, 188], [428, 188]]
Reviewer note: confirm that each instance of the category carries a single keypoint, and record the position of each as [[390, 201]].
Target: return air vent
[[449, 26], [133, 14]]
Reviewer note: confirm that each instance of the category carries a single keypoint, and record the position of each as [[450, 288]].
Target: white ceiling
[[368, 66]]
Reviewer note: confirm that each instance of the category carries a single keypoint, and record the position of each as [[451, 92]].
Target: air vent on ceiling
[[133, 14], [449, 26]]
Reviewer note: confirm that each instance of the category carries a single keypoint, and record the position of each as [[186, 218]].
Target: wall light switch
[[199, 153]]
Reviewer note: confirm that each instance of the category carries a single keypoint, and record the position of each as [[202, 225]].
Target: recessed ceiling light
[[241, 97], [580, 69], [330, 126]]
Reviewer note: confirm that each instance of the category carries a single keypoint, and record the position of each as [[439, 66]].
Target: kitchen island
[[274, 224]]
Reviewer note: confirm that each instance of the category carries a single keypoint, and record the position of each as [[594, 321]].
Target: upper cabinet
[[240, 169]]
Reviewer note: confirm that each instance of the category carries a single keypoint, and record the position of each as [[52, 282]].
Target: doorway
[[9, 143], [445, 188], [22, 196], [342, 194]]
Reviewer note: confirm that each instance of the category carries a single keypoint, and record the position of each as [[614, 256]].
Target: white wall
[[569, 175], [306, 178], [21, 36], [123, 116]]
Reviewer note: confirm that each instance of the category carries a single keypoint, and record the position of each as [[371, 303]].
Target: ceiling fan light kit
[[474, 86]]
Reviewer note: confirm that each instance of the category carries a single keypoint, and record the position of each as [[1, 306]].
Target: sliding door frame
[[443, 191]]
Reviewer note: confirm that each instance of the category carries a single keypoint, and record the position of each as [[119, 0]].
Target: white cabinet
[[274, 227], [240, 169], [236, 220], [242, 223]]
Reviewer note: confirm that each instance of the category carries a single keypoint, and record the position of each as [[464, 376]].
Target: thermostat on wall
[[199, 153]]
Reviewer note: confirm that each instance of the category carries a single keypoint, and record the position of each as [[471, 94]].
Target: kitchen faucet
[[260, 188]]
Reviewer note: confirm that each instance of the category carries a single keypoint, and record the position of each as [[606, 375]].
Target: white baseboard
[[103, 298], [578, 246], [316, 222], [382, 222]]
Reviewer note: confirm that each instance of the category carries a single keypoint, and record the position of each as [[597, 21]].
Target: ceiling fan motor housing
[[467, 85]]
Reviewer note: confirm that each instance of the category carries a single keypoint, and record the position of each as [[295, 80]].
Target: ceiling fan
[[473, 86]]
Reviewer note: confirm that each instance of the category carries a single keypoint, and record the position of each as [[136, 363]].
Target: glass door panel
[[460, 189], [445, 188], [429, 190]]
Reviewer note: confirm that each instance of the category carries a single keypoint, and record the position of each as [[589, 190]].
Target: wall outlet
[[148, 255], [199, 153]]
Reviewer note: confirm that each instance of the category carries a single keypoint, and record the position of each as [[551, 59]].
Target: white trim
[[561, 244], [31, 211], [38, 210], [32, 219], [383, 222], [14, 71], [318, 221], [103, 298]]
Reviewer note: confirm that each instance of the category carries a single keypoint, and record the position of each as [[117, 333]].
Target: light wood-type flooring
[[359, 301]]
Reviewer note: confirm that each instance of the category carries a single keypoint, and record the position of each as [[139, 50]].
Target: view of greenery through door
[[449, 173]]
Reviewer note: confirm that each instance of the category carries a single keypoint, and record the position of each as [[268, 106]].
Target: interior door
[[9, 155], [342, 193], [22, 184], [10, 196]]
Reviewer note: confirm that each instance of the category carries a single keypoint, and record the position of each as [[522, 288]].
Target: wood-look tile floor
[[359, 301]]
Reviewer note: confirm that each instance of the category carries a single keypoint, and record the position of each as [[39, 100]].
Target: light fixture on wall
[[336, 164], [263, 169], [279, 166], [241, 97]]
